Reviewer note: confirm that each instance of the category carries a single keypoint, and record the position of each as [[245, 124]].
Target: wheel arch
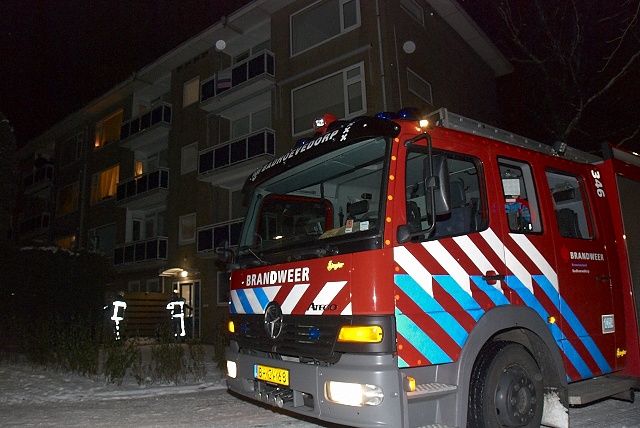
[[519, 324]]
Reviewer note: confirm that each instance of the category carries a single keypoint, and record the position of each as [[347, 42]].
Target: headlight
[[353, 394], [232, 369]]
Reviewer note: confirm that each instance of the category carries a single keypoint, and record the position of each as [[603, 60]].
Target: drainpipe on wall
[[395, 48], [384, 91], [82, 187]]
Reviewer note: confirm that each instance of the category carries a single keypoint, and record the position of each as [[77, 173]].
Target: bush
[[57, 309], [76, 350], [120, 356], [220, 342], [195, 361], [166, 362]]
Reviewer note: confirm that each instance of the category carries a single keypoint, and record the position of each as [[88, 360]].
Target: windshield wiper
[[314, 252], [258, 261]]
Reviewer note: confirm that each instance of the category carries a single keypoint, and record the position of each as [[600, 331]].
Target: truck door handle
[[491, 277], [603, 278]]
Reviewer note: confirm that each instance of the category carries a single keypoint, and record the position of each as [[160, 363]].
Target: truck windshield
[[333, 198]]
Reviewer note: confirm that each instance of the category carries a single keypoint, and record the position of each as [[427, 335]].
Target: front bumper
[[305, 393]]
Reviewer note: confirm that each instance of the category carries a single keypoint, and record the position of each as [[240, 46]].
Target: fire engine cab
[[394, 273]]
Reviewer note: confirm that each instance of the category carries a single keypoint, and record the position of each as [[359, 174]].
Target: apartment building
[[151, 172]]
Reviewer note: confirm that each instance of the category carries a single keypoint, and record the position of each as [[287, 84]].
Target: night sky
[[57, 56], [531, 102]]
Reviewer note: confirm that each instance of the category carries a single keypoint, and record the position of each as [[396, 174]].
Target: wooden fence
[[146, 314]]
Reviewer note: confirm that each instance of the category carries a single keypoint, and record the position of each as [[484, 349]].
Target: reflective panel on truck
[[255, 300], [436, 310]]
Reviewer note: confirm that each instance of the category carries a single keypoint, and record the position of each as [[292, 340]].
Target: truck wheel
[[506, 388]]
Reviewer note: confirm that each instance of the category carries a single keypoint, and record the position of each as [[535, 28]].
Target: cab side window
[[520, 200], [467, 209], [570, 204]]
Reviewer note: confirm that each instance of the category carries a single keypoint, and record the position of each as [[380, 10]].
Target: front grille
[[311, 338], [307, 336]]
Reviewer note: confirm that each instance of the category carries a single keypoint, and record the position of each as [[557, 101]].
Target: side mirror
[[403, 234], [436, 178]]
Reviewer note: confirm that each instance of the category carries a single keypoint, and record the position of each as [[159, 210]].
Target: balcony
[[39, 181], [147, 190], [148, 133], [215, 235], [238, 82], [35, 225], [229, 164], [148, 250]]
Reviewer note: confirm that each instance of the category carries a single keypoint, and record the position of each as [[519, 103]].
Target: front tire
[[506, 388]]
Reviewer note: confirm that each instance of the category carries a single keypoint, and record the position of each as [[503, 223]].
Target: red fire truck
[[394, 273]]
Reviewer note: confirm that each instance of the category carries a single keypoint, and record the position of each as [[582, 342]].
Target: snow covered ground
[[34, 396], [25, 383]]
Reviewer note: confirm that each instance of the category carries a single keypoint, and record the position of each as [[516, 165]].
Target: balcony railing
[[259, 65], [38, 178], [234, 152], [215, 235], [35, 223], [141, 251], [157, 179], [159, 115]]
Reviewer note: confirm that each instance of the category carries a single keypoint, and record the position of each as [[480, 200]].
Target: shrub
[[120, 357], [166, 362], [76, 350], [195, 361], [220, 342]]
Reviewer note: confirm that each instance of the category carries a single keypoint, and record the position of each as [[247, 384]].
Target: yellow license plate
[[271, 374]]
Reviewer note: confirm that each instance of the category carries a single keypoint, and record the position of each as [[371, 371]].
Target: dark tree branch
[[572, 55]]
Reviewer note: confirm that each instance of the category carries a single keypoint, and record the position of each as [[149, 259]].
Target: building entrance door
[[190, 291]]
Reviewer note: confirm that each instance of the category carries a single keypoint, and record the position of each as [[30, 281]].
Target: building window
[[187, 229], [103, 239], [224, 282], [238, 204], [67, 201], [146, 163], [133, 286], [141, 225], [251, 123], [413, 9], [266, 45], [240, 127], [71, 149], [191, 92], [323, 21], [154, 286], [158, 220], [104, 184], [241, 56], [108, 130], [67, 243], [419, 86], [189, 158], [341, 94]]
